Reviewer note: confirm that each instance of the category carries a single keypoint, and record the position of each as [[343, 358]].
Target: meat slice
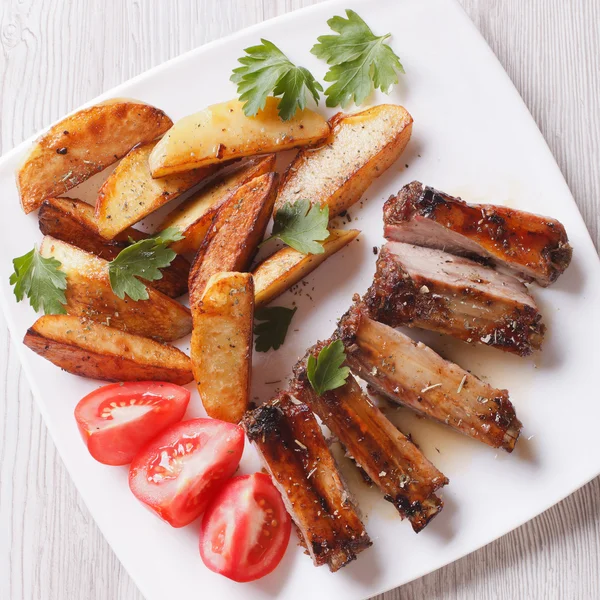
[[431, 289], [413, 375], [406, 478], [294, 452], [527, 245]]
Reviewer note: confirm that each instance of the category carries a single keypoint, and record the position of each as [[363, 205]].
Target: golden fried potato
[[280, 271], [221, 347], [194, 216], [89, 295], [89, 349], [361, 147], [130, 194], [222, 132], [233, 238], [83, 144], [73, 221]]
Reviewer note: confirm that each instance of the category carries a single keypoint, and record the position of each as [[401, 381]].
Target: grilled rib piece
[[431, 289], [412, 374], [293, 449], [527, 245], [406, 478]]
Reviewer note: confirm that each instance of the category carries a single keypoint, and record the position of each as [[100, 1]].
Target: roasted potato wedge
[[361, 147], [280, 271], [194, 216], [89, 295], [83, 144], [73, 221], [89, 349], [222, 132], [221, 347], [130, 194], [233, 238]]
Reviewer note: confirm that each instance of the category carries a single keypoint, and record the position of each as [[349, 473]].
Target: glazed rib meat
[[527, 245], [431, 289], [295, 453], [406, 478], [413, 375]]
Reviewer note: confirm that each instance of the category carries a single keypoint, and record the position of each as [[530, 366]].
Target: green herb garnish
[[326, 372], [142, 259], [302, 226], [42, 281], [359, 61], [274, 327], [267, 70]]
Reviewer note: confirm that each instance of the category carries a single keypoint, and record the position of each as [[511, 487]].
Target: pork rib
[[412, 374], [294, 452], [431, 289], [406, 478], [527, 245]]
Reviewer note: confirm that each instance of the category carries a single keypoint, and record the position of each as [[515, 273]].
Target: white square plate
[[472, 137]]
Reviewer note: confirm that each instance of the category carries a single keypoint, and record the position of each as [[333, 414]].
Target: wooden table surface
[[58, 54]]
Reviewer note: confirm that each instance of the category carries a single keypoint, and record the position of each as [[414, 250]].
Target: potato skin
[[360, 148], [89, 349], [221, 346], [73, 221], [90, 295], [130, 193], [280, 271], [84, 144], [194, 216], [233, 238]]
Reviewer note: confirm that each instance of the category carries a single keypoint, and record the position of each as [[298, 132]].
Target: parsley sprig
[[142, 259], [41, 280], [301, 225], [326, 372], [274, 327], [359, 61], [267, 70]]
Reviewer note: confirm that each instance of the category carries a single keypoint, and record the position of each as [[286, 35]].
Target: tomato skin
[[177, 474], [142, 409], [246, 529]]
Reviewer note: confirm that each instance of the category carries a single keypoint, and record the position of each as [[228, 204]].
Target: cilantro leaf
[[301, 226], [326, 372], [142, 259], [359, 61], [168, 236], [272, 331], [42, 281], [266, 69]]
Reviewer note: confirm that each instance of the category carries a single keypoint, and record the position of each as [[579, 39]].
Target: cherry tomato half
[[177, 474], [118, 420], [246, 529]]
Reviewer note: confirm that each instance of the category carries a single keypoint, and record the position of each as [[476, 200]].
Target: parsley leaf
[[142, 259], [359, 61], [326, 372], [272, 331], [42, 281], [301, 226], [266, 69]]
